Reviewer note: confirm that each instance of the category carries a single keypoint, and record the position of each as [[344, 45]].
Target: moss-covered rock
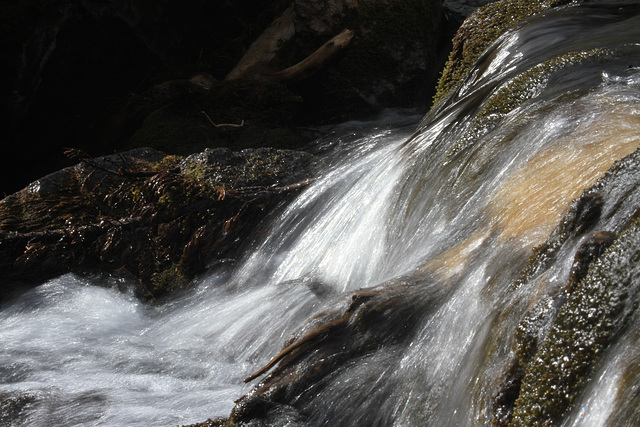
[[11, 409], [160, 218], [561, 336], [587, 323], [522, 88], [217, 422], [478, 31]]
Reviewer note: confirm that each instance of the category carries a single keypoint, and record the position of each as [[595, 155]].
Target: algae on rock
[[594, 314], [479, 31]]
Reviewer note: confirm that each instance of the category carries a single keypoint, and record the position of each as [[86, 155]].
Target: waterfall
[[412, 244]]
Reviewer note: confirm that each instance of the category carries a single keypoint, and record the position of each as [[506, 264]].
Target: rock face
[[159, 218], [478, 31]]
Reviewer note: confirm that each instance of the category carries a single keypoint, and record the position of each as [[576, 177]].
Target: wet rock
[[590, 250], [478, 31], [11, 408], [595, 312], [385, 315], [160, 218], [560, 339]]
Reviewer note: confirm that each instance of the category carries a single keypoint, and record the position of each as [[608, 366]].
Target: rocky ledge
[[160, 218]]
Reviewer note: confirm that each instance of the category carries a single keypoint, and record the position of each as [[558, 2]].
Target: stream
[[456, 202]]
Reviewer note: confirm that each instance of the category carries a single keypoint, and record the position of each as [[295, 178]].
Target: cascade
[[475, 267]]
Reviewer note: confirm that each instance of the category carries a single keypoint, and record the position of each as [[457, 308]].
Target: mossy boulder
[[593, 315], [479, 31], [161, 219]]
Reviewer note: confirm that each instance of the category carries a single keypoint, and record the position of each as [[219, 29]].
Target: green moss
[[479, 31], [167, 279], [593, 315], [523, 87], [184, 190]]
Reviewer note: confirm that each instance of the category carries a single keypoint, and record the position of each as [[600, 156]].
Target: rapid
[[447, 209]]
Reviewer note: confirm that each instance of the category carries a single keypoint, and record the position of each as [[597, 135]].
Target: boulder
[[161, 219]]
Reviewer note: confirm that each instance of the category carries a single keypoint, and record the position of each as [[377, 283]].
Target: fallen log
[[324, 55], [310, 65]]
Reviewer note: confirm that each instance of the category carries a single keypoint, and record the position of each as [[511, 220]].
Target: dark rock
[[161, 219], [594, 314], [71, 69], [385, 315], [11, 408], [460, 9]]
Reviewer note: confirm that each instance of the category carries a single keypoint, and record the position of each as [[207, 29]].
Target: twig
[[222, 125]]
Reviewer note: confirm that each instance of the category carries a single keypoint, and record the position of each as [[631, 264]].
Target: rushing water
[[460, 203]]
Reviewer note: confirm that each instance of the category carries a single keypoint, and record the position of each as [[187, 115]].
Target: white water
[[91, 354]]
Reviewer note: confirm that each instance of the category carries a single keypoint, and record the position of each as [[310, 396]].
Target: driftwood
[[317, 60], [312, 336], [310, 65], [264, 49]]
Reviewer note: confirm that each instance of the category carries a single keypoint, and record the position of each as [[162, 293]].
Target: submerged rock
[[386, 315]]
